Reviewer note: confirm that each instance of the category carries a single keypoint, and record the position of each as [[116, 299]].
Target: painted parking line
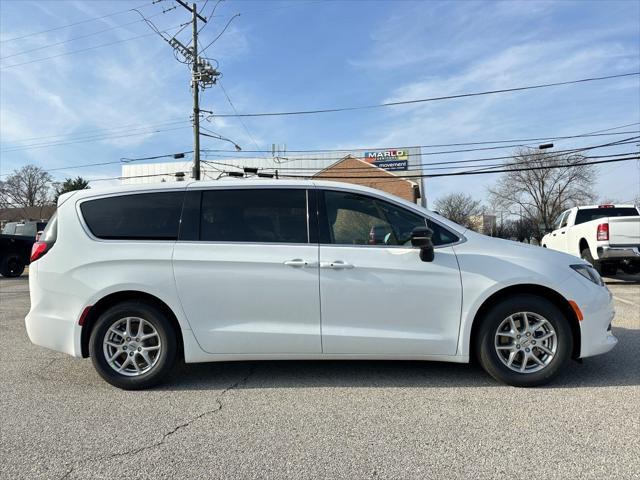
[[628, 302]]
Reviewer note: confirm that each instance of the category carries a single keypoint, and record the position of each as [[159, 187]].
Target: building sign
[[388, 159]]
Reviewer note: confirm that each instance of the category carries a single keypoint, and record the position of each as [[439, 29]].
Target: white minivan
[[137, 276]]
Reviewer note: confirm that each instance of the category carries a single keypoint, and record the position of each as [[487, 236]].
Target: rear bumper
[[619, 253], [54, 333], [52, 320]]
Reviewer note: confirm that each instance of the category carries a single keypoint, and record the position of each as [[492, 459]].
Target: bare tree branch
[[543, 194]]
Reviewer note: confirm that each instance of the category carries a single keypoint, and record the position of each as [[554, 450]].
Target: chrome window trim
[[319, 189]]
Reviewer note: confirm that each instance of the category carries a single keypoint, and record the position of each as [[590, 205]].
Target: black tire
[[12, 265], [631, 268], [586, 255], [489, 357], [608, 269], [165, 358]]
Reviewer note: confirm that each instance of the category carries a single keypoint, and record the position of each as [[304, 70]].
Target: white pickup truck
[[607, 236]]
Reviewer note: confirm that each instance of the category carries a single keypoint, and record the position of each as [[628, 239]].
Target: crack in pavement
[[166, 435], [40, 373]]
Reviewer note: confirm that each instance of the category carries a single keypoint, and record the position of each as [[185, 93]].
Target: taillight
[[38, 250], [603, 232]]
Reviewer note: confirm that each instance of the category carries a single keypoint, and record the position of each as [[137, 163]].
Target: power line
[[399, 178], [122, 161], [89, 139], [127, 127], [244, 125], [478, 172], [92, 19], [84, 49], [168, 174], [220, 34], [597, 133], [443, 152], [87, 134], [422, 100], [78, 38], [155, 157], [558, 153]]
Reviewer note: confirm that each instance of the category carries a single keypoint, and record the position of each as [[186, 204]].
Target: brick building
[[354, 170]]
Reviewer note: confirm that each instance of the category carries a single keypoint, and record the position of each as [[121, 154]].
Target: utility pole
[[203, 75], [196, 100]]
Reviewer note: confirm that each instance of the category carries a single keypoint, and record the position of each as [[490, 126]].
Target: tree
[[459, 208], [544, 193], [71, 184], [29, 186], [521, 229]]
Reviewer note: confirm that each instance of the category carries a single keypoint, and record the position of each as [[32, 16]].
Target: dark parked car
[[16, 241]]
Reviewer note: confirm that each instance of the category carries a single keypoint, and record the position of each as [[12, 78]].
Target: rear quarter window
[[142, 216]]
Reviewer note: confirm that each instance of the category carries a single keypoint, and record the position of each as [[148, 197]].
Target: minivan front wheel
[[524, 341], [133, 345]]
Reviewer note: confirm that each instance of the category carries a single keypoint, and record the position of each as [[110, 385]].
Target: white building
[[403, 162]]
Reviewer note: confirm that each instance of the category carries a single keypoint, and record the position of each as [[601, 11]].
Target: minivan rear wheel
[[133, 345], [524, 341]]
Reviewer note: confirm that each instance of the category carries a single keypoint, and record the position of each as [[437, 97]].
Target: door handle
[[299, 263], [337, 265], [562, 233]]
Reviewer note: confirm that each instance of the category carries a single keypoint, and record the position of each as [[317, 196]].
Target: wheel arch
[[582, 244], [126, 295], [529, 289]]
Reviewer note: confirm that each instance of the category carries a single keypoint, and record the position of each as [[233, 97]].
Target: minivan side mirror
[[421, 238]]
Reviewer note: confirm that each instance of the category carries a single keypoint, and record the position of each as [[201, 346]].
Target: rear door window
[[142, 216], [254, 215]]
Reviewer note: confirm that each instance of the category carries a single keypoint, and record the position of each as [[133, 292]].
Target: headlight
[[588, 272]]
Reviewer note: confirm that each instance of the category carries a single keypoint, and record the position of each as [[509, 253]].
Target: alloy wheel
[[526, 342], [132, 346]]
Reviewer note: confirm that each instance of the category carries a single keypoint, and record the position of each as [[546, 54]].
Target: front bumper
[[619, 253], [595, 329]]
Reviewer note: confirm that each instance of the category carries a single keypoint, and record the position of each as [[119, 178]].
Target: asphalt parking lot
[[399, 420]]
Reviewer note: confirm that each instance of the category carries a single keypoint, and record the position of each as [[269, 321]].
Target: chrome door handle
[[299, 263], [337, 265]]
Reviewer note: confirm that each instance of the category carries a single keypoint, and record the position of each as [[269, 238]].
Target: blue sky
[[288, 55]]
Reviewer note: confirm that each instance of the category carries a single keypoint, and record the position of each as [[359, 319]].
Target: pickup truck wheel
[[586, 255], [12, 266], [524, 341]]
